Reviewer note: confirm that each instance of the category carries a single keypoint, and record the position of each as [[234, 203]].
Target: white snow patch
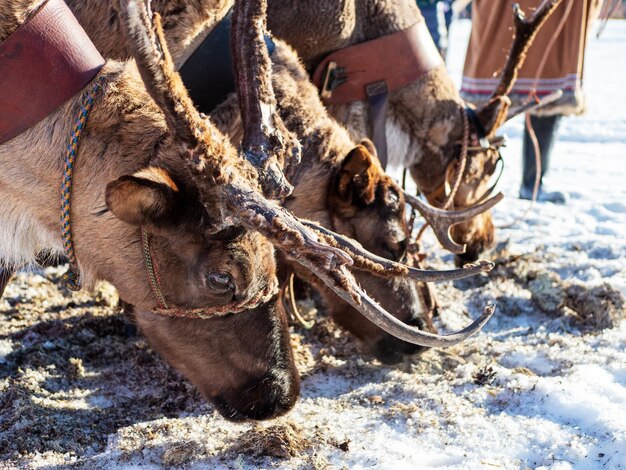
[[6, 348]]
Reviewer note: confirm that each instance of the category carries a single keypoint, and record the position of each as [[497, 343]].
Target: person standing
[[554, 62]]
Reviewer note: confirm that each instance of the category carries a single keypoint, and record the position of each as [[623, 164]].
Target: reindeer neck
[[123, 131], [326, 146], [325, 143], [377, 18]]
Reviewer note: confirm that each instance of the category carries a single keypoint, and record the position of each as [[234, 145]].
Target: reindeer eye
[[220, 281]]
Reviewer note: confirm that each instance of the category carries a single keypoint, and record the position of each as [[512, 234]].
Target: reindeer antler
[[442, 221], [266, 141], [229, 182], [525, 32], [383, 267], [533, 105]]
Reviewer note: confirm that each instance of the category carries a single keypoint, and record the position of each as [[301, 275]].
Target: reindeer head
[[463, 181], [473, 145], [367, 205], [203, 262]]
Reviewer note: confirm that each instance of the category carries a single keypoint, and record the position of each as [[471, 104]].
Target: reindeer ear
[[157, 69], [148, 197], [356, 181], [494, 114], [369, 145]]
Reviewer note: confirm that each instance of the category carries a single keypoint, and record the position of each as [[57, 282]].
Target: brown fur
[[182, 23], [339, 183], [130, 154], [425, 126]]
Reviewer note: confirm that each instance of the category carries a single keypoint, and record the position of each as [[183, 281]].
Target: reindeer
[[129, 157], [357, 198], [179, 197], [341, 185], [426, 125]]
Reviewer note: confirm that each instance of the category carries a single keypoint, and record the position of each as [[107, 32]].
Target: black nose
[[394, 251], [471, 254], [270, 397], [391, 350]]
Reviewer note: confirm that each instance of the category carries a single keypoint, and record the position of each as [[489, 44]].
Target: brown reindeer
[[342, 186], [425, 120], [339, 184]]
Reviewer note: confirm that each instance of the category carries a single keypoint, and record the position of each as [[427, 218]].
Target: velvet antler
[[266, 141], [229, 185], [495, 111], [525, 31]]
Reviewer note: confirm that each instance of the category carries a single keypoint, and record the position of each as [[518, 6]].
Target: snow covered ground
[[541, 387]]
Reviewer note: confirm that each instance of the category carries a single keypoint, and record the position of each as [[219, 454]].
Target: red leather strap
[[397, 59], [43, 64]]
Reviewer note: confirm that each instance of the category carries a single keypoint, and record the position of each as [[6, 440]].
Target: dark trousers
[[438, 27], [546, 128]]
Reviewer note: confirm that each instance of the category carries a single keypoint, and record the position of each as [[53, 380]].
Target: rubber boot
[[546, 129]]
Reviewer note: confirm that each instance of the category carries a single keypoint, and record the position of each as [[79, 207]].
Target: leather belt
[[397, 59], [372, 69], [208, 72], [46, 61]]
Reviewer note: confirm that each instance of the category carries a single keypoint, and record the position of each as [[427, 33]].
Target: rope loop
[[72, 276]]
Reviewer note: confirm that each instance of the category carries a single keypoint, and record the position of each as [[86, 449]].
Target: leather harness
[[43, 64], [208, 72], [372, 69]]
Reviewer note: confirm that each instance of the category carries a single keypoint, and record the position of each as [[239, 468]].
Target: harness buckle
[[332, 77]]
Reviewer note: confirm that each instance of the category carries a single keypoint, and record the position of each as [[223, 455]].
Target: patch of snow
[[6, 348]]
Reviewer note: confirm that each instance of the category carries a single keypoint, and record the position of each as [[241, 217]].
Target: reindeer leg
[[266, 142]]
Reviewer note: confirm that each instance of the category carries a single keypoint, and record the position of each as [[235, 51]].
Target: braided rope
[[164, 309], [461, 164], [155, 284], [72, 277], [462, 161]]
